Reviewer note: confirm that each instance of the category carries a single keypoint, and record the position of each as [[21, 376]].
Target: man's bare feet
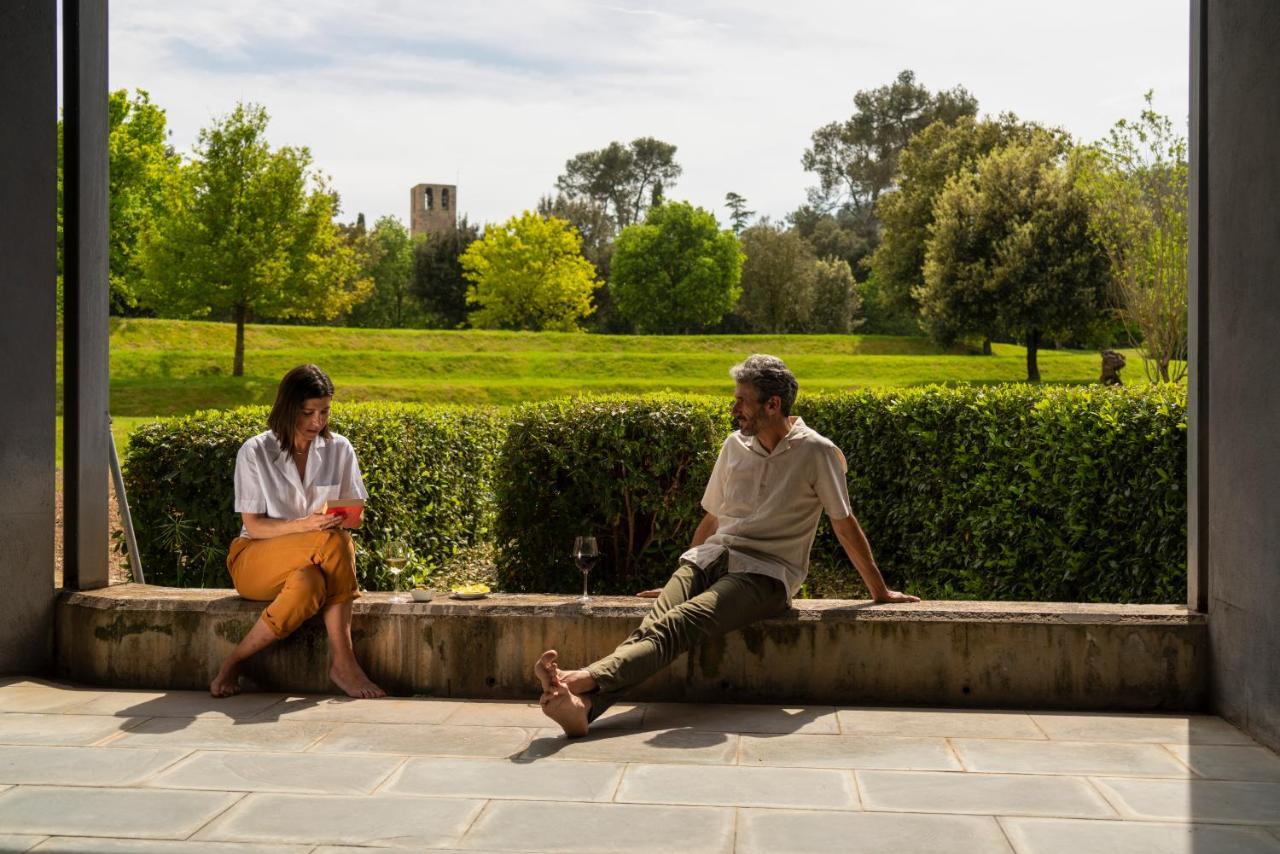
[[568, 710], [227, 682], [546, 671], [352, 680]]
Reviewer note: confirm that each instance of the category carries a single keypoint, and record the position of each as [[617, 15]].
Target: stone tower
[[432, 208]]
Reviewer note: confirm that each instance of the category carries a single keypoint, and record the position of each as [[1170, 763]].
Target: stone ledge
[[981, 654]]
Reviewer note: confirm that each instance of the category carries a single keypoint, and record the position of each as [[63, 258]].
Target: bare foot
[[352, 680], [568, 710], [227, 682], [546, 671]]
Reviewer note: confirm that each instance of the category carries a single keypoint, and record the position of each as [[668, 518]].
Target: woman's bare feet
[[352, 680], [227, 682], [546, 671], [567, 709]]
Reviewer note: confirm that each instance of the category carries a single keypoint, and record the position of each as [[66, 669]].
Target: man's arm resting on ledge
[[850, 535], [706, 528]]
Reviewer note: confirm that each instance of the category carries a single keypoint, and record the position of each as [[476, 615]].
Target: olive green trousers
[[697, 603]]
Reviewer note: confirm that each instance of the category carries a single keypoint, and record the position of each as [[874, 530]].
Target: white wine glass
[[396, 556], [585, 555]]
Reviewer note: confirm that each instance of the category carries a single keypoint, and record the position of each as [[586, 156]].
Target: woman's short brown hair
[[303, 383]]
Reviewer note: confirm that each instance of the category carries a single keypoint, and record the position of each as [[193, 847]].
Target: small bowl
[[420, 594]]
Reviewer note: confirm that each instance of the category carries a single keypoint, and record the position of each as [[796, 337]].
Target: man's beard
[[747, 426]]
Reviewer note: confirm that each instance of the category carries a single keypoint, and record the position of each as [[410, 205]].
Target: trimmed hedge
[[629, 471], [428, 471], [1002, 492]]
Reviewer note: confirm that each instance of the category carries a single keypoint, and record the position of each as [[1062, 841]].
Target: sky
[[495, 96]]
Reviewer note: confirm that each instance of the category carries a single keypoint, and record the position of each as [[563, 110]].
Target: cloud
[[498, 95]]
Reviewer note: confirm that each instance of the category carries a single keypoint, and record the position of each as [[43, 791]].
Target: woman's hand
[[320, 521], [890, 596]]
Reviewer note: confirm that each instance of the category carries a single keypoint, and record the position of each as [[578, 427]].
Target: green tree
[[856, 159], [438, 280], [932, 157], [386, 259], [1136, 180], [625, 180], [676, 272], [529, 273], [1013, 252], [836, 305], [250, 234], [777, 279], [142, 166], [739, 216]]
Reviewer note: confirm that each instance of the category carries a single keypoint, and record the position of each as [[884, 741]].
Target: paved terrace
[[91, 770]]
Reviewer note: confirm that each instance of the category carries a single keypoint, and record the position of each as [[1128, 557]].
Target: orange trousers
[[299, 573]]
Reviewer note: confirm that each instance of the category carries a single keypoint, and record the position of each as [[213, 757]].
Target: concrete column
[[28, 196], [85, 258], [1238, 328]]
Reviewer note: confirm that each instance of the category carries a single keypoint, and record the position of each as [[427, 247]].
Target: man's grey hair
[[769, 375]]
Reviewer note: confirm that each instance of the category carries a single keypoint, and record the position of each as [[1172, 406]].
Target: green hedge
[[428, 471], [1002, 492], [629, 471]]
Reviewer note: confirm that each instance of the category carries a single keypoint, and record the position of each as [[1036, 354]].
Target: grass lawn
[[163, 367]]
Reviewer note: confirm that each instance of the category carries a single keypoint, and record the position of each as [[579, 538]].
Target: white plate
[[457, 595]]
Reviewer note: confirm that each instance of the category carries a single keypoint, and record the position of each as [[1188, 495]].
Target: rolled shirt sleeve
[[713, 495], [351, 482], [830, 484], [250, 496]]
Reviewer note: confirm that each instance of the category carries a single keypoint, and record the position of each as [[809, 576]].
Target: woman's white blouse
[[267, 480]]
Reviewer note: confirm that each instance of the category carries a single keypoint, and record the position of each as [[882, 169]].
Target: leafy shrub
[[428, 471], [1006, 492], [629, 471]]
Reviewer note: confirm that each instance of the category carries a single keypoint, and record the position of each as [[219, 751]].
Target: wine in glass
[[396, 555], [585, 554]]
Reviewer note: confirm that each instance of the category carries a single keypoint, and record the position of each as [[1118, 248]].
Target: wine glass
[[585, 554], [396, 555]]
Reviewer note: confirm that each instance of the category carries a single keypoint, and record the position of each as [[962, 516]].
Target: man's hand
[[650, 594], [890, 596]]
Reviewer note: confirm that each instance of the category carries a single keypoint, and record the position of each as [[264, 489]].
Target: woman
[[289, 551]]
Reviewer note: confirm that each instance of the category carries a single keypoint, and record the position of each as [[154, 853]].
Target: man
[[750, 553]]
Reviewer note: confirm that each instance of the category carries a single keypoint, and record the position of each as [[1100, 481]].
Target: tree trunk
[[986, 346], [1164, 368], [237, 368], [1033, 344]]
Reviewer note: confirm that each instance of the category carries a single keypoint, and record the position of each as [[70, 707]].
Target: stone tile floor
[[90, 770]]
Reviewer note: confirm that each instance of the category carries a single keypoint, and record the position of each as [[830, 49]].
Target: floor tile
[[985, 794], [1071, 836], [1229, 762], [737, 787], [82, 766], [529, 826], [529, 715], [324, 819], [35, 695], [14, 844], [236, 771], [740, 719], [386, 710], [54, 729], [412, 740], [848, 751], [656, 746], [503, 778], [197, 733], [1194, 800], [1067, 757], [140, 813], [174, 704], [90, 845], [1171, 729], [937, 723], [772, 831]]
